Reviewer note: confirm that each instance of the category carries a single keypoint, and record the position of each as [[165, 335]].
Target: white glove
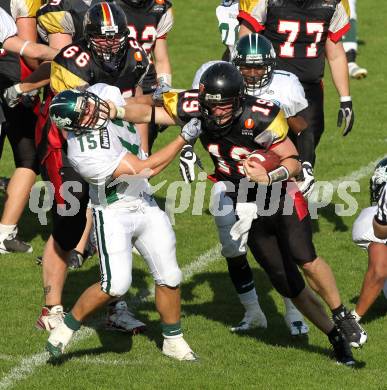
[[12, 95], [307, 185], [246, 212], [159, 91], [191, 130], [188, 159]]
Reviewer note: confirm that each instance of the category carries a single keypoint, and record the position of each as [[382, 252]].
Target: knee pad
[[172, 278], [118, 286]]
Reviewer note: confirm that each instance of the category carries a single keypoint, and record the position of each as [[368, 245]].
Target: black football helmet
[[220, 85], [378, 181], [105, 29], [68, 109]]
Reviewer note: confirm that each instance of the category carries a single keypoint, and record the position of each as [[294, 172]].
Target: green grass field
[[268, 359]]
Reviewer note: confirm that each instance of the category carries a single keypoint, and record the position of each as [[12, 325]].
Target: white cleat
[[58, 340], [295, 323], [176, 347], [356, 72], [49, 319], [122, 319], [252, 319]]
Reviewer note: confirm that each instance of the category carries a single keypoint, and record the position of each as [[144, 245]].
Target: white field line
[[28, 365]]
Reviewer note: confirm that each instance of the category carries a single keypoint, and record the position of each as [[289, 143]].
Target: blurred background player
[[106, 54], [363, 235], [227, 13], [305, 33], [350, 43]]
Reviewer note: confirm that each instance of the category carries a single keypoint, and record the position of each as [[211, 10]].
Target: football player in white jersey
[[363, 235], [228, 23], [285, 90], [107, 154]]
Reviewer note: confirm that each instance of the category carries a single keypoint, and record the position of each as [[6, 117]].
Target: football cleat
[[352, 330], [342, 350], [58, 340], [176, 347], [356, 72], [49, 319], [252, 319], [13, 244], [295, 323], [122, 319]]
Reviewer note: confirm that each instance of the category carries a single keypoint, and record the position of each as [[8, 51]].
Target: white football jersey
[[285, 90], [7, 26], [363, 231], [95, 156], [228, 23]]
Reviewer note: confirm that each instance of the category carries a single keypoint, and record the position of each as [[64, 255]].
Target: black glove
[[347, 115], [188, 159]]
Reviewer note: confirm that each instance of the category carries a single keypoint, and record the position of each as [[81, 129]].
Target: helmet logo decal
[[208, 96], [107, 16], [249, 123], [61, 122]]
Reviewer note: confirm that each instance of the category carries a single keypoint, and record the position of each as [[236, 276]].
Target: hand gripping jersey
[[228, 23], [298, 31], [75, 67], [285, 90], [95, 155], [227, 153]]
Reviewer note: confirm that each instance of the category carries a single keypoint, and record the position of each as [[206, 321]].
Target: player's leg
[[114, 234], [350, 45], [238, 267], [267, 247], [295, 232], [162, 263], [374, 279], [20, 132]]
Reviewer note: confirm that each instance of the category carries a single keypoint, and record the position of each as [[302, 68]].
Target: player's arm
[[252, 16], [297, 124], [59, 40], [162, 63], [290, 165], [29, 49], [26, 28]]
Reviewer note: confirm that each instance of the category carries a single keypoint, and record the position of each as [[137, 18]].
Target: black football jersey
[[229, 151], [298, 31], [75, 66]]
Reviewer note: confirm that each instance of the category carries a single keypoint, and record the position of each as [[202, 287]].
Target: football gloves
[[306, 186], [188, 159], [12, 95], [159, 91], [346, 115], [191, 130]]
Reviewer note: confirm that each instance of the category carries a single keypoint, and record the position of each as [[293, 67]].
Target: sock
[[71, 322], [249, 300], [171, 330], [240, 274], [6, 230], [338, 310], [351, 35], [351, 56]]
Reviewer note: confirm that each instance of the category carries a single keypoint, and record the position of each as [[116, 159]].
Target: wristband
[[279, 174], [120, 112], [25, 44], [165, 78], [344, 99]]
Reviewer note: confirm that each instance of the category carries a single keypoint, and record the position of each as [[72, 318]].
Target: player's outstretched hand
[[191, 130], [346, 115], [188, 159]]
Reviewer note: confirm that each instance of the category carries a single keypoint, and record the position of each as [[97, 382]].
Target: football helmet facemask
[[252, 53], [137, 3], [220, 96], [79, 111], [105, 29], [378, 181]]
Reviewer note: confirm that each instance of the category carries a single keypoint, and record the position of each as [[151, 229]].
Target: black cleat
[[353, 331], [13, 244], [341, 349]]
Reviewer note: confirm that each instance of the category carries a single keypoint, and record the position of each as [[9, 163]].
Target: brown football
[[268, 159]]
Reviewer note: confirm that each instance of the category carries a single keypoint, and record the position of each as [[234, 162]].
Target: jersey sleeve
[[8, 27], [279, 127], [339, 24], [295, 100], [165, 24], [381, 211], [182, 106], [54, 19], [24, 8], [253, 12]]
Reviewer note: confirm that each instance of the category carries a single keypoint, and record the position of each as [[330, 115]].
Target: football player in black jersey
[[304, 33], [106, 54], [232, 126]]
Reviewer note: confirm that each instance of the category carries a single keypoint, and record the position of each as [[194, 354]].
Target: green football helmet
[[378, 181], [79, 111], [255, 52]]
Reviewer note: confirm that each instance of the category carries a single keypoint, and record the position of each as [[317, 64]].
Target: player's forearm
[[380, 231], [338, 64], [37, 79]]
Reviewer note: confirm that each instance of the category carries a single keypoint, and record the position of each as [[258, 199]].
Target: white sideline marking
[[28, 365]]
